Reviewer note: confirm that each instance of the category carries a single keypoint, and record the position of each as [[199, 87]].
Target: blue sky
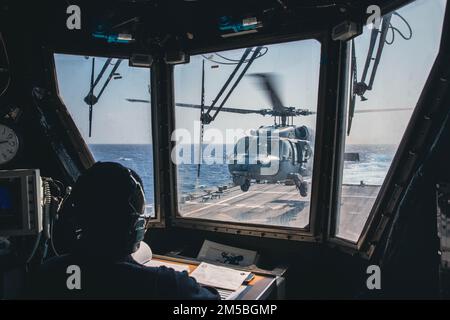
[[402, 73], [114, 119]]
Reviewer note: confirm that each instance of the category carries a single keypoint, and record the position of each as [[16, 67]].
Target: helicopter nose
[[267, 160]]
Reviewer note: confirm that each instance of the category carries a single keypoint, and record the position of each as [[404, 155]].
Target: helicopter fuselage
[[271, 154]]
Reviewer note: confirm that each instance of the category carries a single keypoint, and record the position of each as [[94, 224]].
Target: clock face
[[9, 144]]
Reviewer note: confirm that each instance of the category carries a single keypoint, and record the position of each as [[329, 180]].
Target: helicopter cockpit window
[[384, 89], [241, 116], [95, 92]]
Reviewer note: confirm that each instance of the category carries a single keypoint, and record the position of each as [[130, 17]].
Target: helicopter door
[[293, 152]]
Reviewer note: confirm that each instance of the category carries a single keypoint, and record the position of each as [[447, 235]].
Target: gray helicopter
[[277, 153], [272, 154], [280, 152]]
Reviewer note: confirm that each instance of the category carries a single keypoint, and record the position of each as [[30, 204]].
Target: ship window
[[240, 169], [120, 129], [382, 113]]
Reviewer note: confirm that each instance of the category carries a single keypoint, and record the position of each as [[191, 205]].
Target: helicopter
[[276, 153], [282, 149], [279, 152]]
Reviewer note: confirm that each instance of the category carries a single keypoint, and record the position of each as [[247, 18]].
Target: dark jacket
[[119, 279]]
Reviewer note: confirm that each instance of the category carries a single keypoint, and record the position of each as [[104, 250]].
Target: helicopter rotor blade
[[369, 111], [267, 83], [138, 100], [382, 110], [268, 111], [263, 112], [225, 109], [198, 106]]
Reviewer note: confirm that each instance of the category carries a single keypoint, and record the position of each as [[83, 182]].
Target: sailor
[[107, 202]]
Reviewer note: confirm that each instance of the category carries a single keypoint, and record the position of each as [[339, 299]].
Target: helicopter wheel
[[303, 188], [245, 186]]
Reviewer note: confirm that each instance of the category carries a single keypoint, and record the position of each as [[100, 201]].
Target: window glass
[[120, 129], [383, 110], [247, 173]]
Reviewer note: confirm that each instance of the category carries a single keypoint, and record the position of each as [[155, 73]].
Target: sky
[[114, 119], [403, 71]]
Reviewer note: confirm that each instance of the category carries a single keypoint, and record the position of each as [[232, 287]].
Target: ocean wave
[[371, 169]]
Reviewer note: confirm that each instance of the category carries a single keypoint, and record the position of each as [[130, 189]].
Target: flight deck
[[276, 204]]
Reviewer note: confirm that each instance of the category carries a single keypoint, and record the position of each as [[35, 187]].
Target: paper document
[[226, 254], [230, 294], [174, 266], [219, 277]]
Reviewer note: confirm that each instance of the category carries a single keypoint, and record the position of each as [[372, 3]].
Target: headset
[[137, 229]]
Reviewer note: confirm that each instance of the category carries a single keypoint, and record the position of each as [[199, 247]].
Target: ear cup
[[137, 231]]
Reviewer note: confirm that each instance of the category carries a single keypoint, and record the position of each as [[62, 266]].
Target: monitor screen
[[10, 203]]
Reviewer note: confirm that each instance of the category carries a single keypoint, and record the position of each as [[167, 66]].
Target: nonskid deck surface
[[277, 204]]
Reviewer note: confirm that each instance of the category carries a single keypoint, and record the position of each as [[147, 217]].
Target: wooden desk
[[261, 287]]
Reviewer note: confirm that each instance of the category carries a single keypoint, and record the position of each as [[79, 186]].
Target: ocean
[[372, 166], [371, 169]]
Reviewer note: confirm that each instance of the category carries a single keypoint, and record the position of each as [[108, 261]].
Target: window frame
[[165, 191], [402, 166], [313, 233], [83, 149]]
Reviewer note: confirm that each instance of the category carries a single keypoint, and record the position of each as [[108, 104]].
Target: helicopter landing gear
[[303, 188], [245, 186], [302, 185]]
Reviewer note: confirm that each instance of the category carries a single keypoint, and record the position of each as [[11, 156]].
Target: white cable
[[36, 245]]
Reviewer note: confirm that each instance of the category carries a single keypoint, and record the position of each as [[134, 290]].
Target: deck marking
[[247, 206], [355, 196], [266, 205], [216, 203], [274, 192]]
